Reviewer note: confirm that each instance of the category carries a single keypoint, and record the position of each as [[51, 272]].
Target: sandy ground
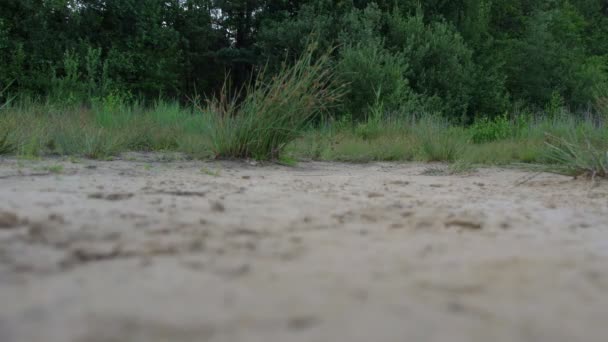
[[145, 250]]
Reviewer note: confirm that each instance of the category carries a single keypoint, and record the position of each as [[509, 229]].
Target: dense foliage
[[460, 58]]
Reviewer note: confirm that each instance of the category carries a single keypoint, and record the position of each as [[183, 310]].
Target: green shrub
[[549, 61], [487, 130], [372, 74], [440, 63]]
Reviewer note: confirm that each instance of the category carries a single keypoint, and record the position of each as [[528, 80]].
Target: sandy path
[[144, 251]]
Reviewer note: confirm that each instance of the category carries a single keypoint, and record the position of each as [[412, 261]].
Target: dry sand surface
[[150, 249]]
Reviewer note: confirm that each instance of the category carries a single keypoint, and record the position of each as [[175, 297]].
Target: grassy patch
[[30, 129], [432, 139], [56, 169], [488, 130], [274, 120]]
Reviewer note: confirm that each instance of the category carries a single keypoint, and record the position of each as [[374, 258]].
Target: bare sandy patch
[[143, 250]]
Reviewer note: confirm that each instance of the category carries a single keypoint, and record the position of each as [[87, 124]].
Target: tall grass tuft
[[6, 146], [438, 140], [601, 102], [273, 112], [577, 158], [5, 102]]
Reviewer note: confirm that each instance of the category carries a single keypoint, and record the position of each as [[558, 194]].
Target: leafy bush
[[440, 63], [550, 58], [486, 130], [372, 74]]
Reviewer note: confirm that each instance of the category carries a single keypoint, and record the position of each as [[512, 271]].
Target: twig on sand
[[526, 179], [26, 175]]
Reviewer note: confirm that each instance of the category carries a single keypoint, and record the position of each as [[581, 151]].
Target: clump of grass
[[5, 102], [6, 146], [372, 127], [212, 173], [461, 167], [438, 140], [56, 169], [577, 158], [7, 126], [287, 160], [272, 112]]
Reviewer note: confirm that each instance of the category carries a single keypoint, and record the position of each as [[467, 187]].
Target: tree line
[[460, 58]]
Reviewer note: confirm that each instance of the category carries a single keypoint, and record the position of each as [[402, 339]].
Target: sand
[[153, 248]]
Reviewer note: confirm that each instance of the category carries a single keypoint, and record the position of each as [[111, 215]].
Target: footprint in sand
[[8, 220]]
